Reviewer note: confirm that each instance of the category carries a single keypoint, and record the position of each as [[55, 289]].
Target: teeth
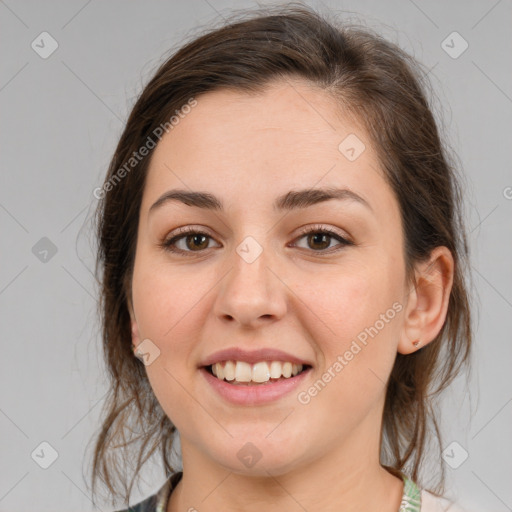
[[275, 369], [229, 370], [260, 372], [243, 372], [218, 370]]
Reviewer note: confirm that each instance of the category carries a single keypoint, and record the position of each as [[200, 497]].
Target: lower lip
[[254, 394]]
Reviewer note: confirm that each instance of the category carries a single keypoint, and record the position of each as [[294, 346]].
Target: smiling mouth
[[240, 373]]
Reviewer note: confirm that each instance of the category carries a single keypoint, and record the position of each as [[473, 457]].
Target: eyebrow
[[292, 200]]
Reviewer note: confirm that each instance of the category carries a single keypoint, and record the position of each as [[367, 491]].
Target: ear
[[427, 302]]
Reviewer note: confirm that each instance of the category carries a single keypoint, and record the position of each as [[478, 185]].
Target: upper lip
[[251, 357]]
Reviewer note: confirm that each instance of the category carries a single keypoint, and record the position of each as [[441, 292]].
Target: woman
[[283, 273]]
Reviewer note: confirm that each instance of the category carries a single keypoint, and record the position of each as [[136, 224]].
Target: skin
[[247, 150]]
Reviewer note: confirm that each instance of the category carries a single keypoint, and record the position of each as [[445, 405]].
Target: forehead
[[287, 136], [283, 112]]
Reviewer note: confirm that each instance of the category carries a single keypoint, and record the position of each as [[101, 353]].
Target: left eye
[[195, 239], [319, 236]]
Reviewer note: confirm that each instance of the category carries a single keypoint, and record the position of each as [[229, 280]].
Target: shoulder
[[433, 503]]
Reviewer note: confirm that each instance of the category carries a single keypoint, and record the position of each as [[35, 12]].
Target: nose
[[252, 294]]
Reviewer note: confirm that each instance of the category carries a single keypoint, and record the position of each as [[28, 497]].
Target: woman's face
[[252, 281]]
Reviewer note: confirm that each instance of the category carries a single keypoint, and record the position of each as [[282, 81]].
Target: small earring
[[416, 343]]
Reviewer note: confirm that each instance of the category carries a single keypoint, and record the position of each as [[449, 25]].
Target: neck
[[341, 484]]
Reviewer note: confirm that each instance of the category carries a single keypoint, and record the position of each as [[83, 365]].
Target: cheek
[[346, 301], [171, 305], [164, 309], [357, 347], [164, 298], [360, 323], [167, 315]]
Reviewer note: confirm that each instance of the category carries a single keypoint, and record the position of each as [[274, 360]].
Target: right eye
[[193, 239]]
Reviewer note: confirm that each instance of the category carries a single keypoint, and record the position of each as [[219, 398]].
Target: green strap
[[411, 498]]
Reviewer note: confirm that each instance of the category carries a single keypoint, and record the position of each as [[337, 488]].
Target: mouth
[[261, 373]]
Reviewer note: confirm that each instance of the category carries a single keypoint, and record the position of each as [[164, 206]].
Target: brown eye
[[196, 241], [318, 239], [192, 241]]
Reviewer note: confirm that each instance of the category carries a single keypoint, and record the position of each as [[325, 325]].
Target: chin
[[258, 457]]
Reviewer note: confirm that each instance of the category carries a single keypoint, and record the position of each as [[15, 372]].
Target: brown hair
[[381, 86]]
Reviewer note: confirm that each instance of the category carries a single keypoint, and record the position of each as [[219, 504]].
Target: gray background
[[61, 118]]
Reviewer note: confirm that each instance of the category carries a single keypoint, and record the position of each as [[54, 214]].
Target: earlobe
[[135, 334], [428, 300], [134, 329]]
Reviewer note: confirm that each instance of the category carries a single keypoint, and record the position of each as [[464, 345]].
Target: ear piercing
[[416, 343]]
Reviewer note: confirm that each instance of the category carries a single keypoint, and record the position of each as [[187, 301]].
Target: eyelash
[[168, 244]]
